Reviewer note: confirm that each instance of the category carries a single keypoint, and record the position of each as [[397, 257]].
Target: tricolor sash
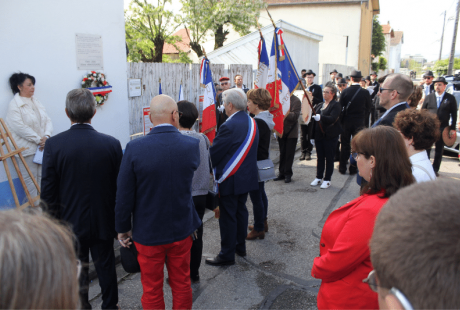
[[237, 159]]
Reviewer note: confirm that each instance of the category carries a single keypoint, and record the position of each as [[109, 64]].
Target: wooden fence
[[172, 76]]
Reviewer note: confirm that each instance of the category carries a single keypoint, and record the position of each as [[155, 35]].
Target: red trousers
[[152, 260]]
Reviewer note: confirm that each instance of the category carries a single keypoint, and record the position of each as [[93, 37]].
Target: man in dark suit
[[374, 83], [306, 131], [288, 141], [220, 111], [155, 189], [428, 82], [393, 96], [80, 169], [356, 105], [444, 105], [235, 185]]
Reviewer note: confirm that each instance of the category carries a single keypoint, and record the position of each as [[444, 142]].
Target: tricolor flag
[[181, 93], [262, 70], [208, 100], [282, 80], [160, 92]]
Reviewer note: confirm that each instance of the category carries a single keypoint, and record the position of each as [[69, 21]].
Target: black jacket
[[264, 139], [329, 121], [390, 117], [376, 89], [447, 109], [79, 180], [360, 107], [317, 93]]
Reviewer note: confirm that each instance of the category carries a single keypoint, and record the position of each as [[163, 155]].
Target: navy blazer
[[155, 186], [79, 180], [447, 109], [390, 117], [229, 138]]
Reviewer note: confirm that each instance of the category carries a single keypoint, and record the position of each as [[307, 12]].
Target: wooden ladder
[[5, 134]]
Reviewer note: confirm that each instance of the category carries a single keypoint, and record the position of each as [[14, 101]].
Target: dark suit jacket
[[79, 174], [360, 107], [231, 135], [376, 89], [329, 121], [291, 121], [220, 116], [447, 109], [317, 93], [155, 186], [390, 117]]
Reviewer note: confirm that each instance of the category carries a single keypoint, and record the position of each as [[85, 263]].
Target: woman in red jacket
[[344, 259]]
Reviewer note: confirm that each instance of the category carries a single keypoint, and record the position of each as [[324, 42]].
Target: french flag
[[181, 93], [208, 99], [282, 80], [262, 71]]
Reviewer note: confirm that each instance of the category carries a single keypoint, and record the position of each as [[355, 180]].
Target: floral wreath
[[98, 85]]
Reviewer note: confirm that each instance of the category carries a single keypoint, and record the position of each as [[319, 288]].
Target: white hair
[[237, 97]]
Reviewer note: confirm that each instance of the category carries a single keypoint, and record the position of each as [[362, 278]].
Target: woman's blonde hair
[[38, 264]]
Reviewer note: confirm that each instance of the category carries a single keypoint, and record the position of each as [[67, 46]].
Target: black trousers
[[350, 129], [287, 152], [197, 245], [325, 151], [305, 137], [104, 261], [233, 225], [438, 151]]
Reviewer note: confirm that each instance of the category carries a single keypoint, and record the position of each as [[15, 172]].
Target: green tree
[[382, 63], [378, 39], [148, 28], [440, 66]]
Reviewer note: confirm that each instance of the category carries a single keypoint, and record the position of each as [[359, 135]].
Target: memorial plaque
[[89, 52]]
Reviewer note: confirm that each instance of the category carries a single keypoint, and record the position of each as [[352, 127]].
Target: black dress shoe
[[287, 179], [239, 253], [308, 157], [195, 279], [437, 174], [353, 170], [279, 178], [342, 170], [218, 261], [302, 157]]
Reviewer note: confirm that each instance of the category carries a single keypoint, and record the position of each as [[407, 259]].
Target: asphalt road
[[276, 272]]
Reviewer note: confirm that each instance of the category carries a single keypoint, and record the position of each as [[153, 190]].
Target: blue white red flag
[[262, 71], [208, 100], [181, 93], [237, 159], [282, 80], [160, 92]]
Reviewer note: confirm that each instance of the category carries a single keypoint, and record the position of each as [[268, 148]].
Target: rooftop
[[398, 38], [184, 45]]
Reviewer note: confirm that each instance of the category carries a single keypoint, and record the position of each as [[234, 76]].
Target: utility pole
[[442, 36], [452, 51], [346, 52]]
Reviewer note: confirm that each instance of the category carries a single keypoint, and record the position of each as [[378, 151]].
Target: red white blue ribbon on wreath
[[103, 90], [237, 159]]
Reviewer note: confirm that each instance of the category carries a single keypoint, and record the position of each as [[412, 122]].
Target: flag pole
[[270, 18]]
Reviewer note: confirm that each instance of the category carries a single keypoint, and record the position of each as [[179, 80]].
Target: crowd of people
[[102, 193]]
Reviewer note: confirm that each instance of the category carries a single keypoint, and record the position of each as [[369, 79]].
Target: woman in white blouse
[[419, 129], [29, 124]]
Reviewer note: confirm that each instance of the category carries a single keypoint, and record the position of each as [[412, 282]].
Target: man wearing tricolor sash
[[234, 157]]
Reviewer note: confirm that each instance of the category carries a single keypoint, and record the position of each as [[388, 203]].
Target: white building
[[394, 62], [303, 46], [39, 38]]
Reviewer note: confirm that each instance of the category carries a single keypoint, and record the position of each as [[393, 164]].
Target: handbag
[[266, 170]]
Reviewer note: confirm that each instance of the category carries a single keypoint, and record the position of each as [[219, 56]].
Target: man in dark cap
[[333, 73], [428, 81], [306, 131], [338, 77], [356, 105], [220, 111], [341, 85], [444, 105], [374, 83]]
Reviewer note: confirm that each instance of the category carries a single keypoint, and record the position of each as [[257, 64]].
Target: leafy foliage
[[441, 66], [382, 63], [147, 28], [378, 39]]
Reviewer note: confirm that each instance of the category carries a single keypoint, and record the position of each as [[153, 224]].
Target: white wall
[[395, 58], [38, 38]]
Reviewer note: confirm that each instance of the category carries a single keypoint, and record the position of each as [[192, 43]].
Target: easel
[[5, 134]]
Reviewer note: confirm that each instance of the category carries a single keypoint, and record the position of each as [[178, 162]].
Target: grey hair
[[80, 105], [38, 264], [237, 97]]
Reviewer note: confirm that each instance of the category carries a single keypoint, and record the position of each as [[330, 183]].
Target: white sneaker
[[316, 182], [326, 184]]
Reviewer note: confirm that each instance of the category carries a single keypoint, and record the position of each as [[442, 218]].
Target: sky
[[420, 20]]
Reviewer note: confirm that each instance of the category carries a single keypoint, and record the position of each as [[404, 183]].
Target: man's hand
[[125, 239]]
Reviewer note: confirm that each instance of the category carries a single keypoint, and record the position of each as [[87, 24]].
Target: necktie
[[439, 101]]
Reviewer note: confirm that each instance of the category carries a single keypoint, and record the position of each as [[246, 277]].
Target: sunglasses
[[382, 89], [224, 83], [371, 280], [179, 112], [355, 155]]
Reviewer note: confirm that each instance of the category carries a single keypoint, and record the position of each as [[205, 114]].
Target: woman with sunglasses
[[344, 259], [327, 131]]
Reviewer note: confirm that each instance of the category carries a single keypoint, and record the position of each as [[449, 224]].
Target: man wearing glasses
[[428, 81], [393, 95], [414, 248]]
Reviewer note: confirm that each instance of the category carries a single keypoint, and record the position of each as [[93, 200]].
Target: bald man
[[154, 186]]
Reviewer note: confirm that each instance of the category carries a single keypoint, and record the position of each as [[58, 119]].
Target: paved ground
[[276, 272]]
